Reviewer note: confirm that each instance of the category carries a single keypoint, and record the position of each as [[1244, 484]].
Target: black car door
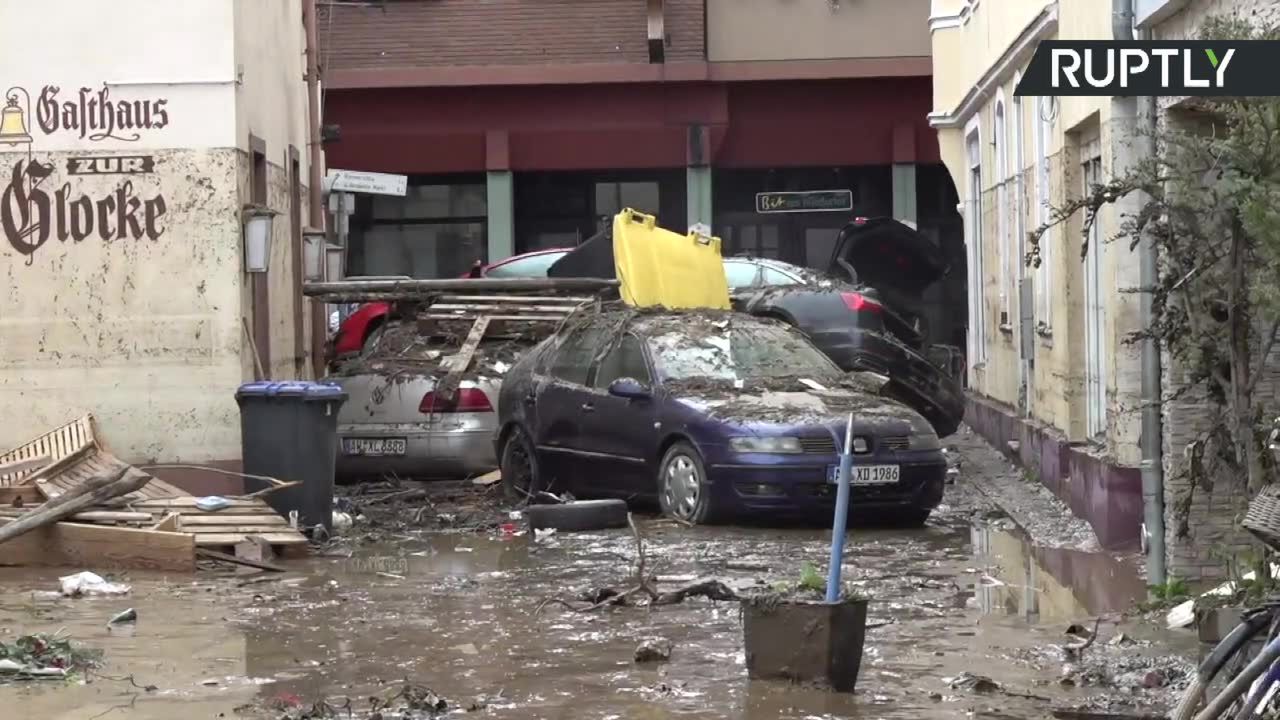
[[562, 395], [622, 437]]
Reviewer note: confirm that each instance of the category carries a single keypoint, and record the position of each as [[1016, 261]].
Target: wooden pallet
[[159, 523]]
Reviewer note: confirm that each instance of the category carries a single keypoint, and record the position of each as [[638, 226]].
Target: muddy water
[[457, 613]]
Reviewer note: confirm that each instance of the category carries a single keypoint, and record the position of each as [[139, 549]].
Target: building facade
[[522, 125], [125, 178], [1052, 374]]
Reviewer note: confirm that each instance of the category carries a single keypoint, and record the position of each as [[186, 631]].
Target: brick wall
[[436, 33], [1212, 534]]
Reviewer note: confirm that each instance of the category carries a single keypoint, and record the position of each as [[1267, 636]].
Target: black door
[[622, 437], [563, 397]]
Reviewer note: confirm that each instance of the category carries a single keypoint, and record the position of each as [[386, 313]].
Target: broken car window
[[736, 350], [624, 361], [573, 357]]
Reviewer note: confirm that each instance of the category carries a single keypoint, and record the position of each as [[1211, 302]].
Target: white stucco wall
[[138, 319]]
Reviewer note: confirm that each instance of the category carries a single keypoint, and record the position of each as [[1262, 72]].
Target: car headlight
[[766, 445], [927, 440]]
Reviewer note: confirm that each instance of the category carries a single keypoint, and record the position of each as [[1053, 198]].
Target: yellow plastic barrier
[[658, 267]]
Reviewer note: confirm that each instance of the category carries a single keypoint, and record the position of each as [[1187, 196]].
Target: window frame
[[561, 348], [974, 242], [594, 379], [1000, 151]]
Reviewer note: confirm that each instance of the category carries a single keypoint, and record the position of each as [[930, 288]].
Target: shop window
[[434, 231], [612, 197]]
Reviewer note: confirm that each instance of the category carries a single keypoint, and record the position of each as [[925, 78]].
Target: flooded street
[[459, 613]]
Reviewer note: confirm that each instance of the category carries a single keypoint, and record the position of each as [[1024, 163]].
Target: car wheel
[[683, 490], [519, 466]]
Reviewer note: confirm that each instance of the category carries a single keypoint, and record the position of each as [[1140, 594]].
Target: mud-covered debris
[[44, 656], [126, 616], [408, 702], [973, 683], [653, 650]]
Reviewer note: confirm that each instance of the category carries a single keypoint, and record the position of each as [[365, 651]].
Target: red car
[[360, 325]]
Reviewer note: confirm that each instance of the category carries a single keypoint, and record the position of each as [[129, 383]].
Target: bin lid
[[316, 391]]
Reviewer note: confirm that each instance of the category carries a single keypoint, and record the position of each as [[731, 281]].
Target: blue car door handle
[[588, 407]]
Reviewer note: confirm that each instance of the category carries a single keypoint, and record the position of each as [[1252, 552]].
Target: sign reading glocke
[[35, 209]]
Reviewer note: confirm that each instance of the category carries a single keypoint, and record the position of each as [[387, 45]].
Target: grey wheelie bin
[[289, 431]]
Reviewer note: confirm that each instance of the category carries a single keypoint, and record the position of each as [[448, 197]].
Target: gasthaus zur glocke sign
[[34, 208]]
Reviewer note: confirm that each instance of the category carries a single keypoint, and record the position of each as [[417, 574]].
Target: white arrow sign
[[367, 182]]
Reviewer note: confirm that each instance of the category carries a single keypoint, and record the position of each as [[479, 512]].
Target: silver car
[[392, 421]]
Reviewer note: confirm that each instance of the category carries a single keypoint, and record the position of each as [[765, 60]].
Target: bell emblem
[[13, 124]]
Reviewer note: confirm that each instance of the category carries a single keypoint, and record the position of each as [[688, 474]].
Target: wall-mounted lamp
[[258, 222], [334, 260], [313, 262]]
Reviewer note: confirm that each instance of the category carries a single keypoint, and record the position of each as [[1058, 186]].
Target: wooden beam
[[231, 538], [227, 518], [92, 492], [102, 548], [458, 364], [89, 516]]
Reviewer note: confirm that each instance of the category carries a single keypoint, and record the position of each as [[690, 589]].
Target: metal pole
[[1152, 437], [840, 522]]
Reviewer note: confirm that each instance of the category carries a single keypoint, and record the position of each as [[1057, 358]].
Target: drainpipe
[[1152, 438], [313, 115], [319, 323]]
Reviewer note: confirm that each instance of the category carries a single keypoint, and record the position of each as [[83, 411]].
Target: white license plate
[[374, 446], [867, 474]]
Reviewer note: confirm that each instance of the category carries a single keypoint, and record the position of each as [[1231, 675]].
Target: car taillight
[[858, 302], [465, 400]]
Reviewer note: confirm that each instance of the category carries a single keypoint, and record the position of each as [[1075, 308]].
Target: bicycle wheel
[[1226, 654]]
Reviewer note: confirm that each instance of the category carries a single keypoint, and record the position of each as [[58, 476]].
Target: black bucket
[[805, 641]]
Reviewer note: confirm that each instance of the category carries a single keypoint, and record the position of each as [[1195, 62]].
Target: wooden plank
[[280, 538], [17, 466], [247, 562], [189, 501], [250, 529], [448, 385], [89, 516], [171, 522], [226, 518], [102, 548], [93, 492]]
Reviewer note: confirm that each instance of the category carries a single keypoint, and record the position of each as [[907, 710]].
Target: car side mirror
[[630, 389]]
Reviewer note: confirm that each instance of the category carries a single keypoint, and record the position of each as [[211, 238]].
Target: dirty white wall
[[136, 322], [969, 40], [271, 104]]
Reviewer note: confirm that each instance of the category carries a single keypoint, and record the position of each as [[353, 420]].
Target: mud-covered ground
[[449, 601]]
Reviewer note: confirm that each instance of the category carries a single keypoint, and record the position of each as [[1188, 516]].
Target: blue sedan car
[[714, 415]]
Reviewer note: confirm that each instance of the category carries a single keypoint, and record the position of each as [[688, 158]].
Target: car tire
[[683, 490], [578, 516], [521, 478]]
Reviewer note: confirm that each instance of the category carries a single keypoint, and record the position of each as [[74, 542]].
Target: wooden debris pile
[[66, 501]]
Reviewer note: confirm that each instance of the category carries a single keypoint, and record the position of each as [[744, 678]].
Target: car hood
[[890, 255], [776, 409]]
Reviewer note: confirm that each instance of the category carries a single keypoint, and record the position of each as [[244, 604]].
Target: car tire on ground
[[683, 490], [578, 516], [518, 464]]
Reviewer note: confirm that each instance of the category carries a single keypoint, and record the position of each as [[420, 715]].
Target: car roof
[[657, 321]]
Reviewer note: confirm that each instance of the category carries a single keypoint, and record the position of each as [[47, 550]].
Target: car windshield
[[736, 351], [533, 266]]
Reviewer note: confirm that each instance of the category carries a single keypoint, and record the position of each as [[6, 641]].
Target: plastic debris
[[653, 649], [127, 616], [87, 583], [541, 534], [212, 503]]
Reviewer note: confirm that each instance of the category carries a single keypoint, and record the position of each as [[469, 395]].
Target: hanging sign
[[366, 182], [807, 201]]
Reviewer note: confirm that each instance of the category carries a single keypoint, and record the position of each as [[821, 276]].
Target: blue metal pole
[[842, 515]]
